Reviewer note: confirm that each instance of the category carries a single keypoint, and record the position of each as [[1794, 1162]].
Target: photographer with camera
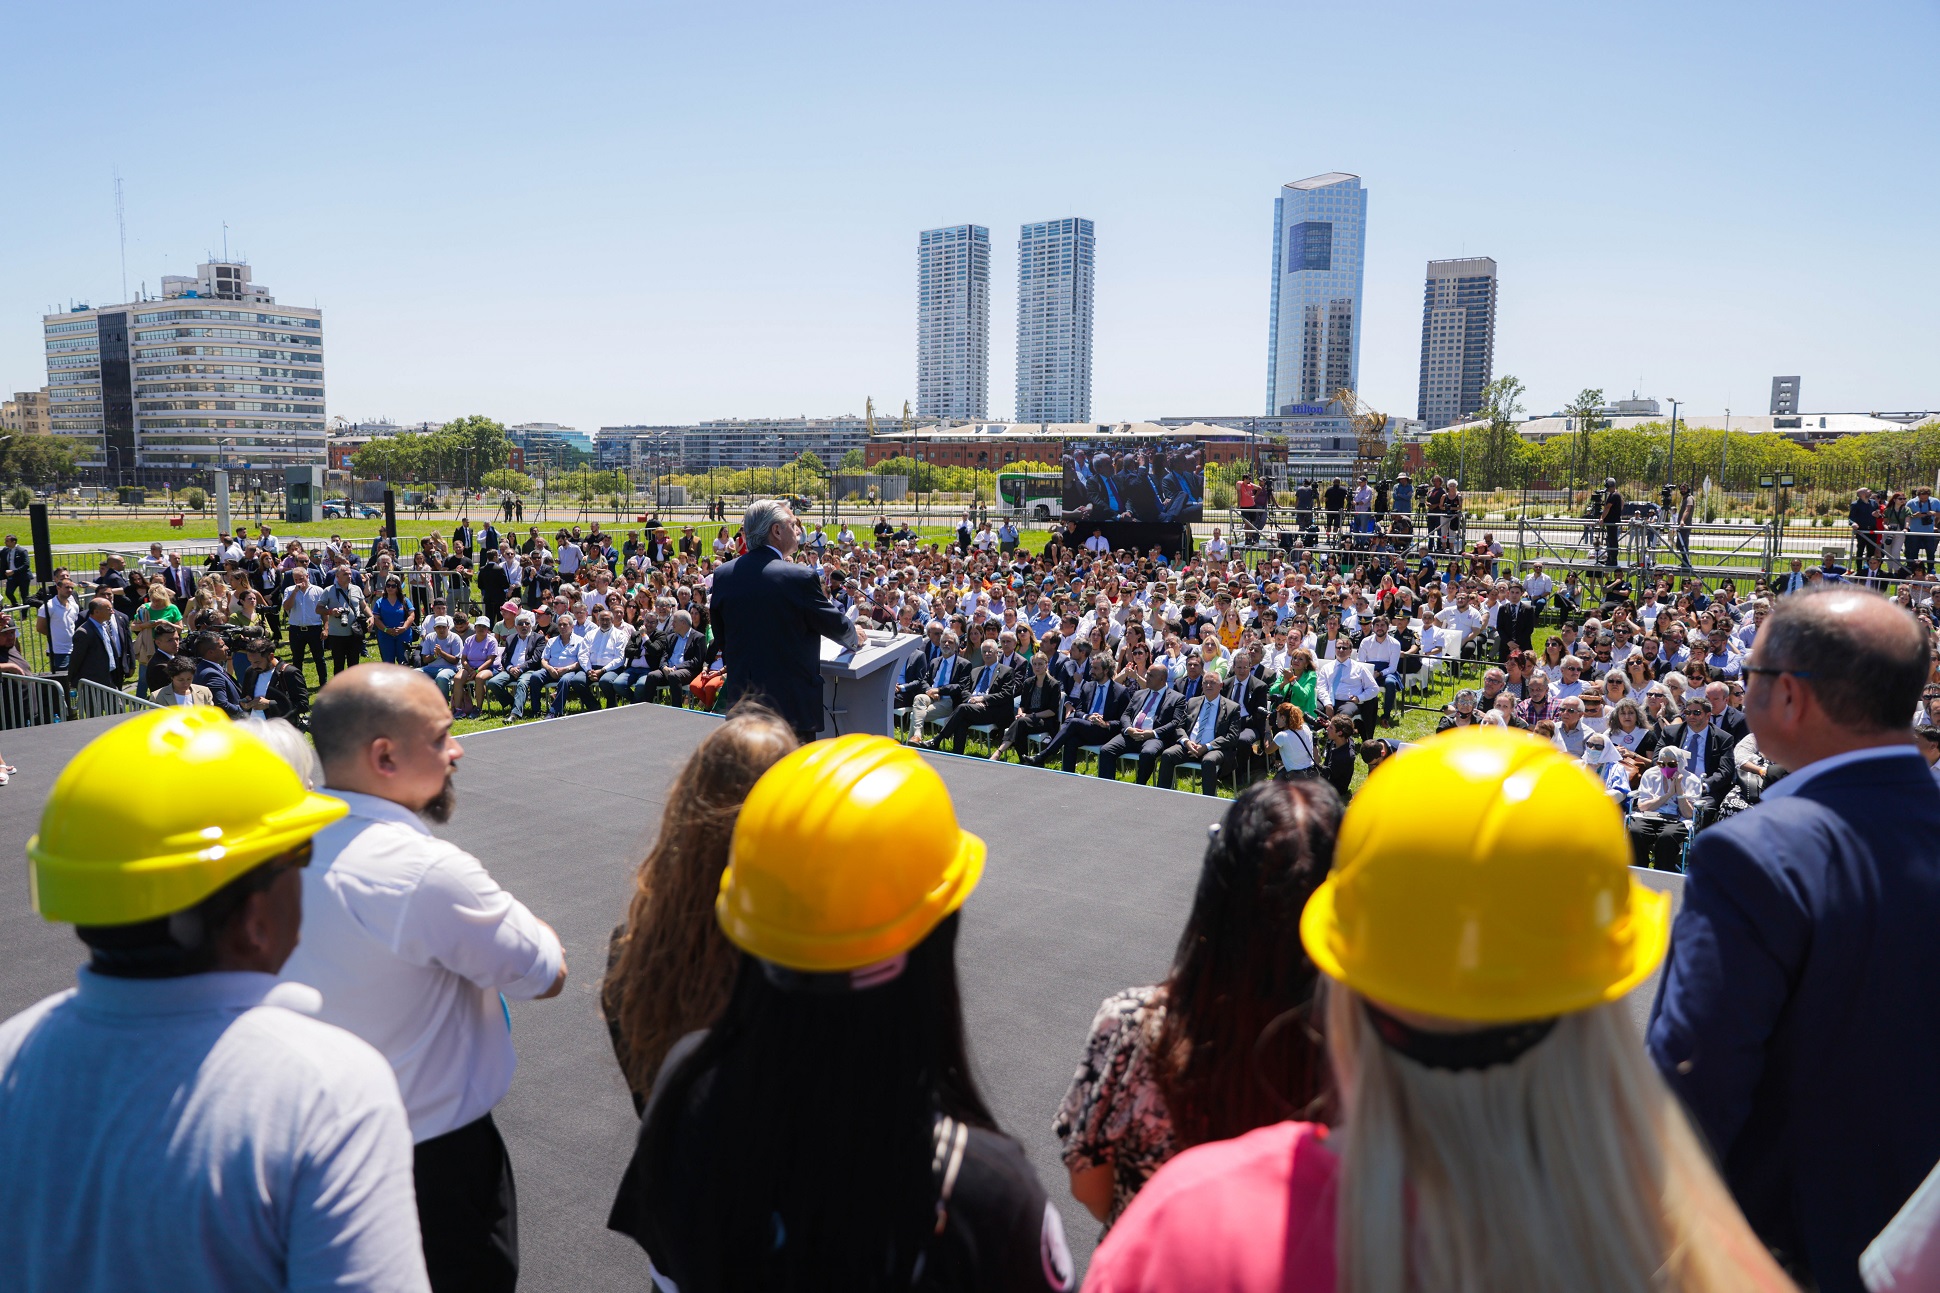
[[270, 688], [346, 619], [1612, 518]]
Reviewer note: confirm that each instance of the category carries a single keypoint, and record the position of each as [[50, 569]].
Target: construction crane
[[1370, 431]]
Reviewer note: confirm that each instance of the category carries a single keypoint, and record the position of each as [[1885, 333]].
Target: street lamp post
[[1670, 468]]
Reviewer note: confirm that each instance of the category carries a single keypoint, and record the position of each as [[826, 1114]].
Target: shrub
[[18, 497], [195, 497]]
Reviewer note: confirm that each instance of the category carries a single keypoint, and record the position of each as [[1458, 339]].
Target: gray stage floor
[[1085, 891]]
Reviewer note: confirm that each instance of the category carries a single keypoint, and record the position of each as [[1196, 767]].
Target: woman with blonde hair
[[669, 968], [1501, 1126]]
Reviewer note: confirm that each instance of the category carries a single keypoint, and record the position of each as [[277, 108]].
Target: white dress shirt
[[1374, 651], [604, 648], [1344, 681], [411, 943]]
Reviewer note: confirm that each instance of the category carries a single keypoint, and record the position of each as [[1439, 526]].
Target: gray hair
[[760, 518]]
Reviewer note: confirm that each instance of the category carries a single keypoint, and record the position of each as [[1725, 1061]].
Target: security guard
[[827, 1132], [176, 1120]]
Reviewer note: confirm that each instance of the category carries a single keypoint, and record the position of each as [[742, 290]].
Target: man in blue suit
[[1093, 714], [768, 613], [1796, 1014]]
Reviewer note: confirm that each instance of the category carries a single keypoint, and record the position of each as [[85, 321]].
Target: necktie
[[983, 684], [1145, 714], [1208, 713], [1097, 698], [679, 653], [943, 671]]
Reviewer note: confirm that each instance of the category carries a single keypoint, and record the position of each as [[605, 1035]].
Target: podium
[[859, 687]]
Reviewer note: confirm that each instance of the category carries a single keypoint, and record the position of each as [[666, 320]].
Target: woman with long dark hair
[[1225, 1043], [826, 1132], [669, 969]]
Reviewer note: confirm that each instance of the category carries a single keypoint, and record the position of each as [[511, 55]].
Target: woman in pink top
[[1502, 1128]]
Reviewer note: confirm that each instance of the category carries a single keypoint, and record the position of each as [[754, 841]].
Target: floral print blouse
[[1114, 1111]]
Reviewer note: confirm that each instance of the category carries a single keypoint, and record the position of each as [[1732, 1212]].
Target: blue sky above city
[[656, 214]]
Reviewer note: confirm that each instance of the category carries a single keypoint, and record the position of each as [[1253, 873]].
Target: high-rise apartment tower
[[1785, 396], [953, 322], [1457, 339], [1319, 246], [1054, 273], [215, 374]]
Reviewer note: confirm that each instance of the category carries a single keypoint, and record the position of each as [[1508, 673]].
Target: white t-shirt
[[411, 943], [1296, 748], [200, 1132]]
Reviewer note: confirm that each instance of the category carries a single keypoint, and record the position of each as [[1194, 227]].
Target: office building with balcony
[[213, 374], [25, 413], [1054, 290], [1457, 339], [1319, 252], [953, 322]]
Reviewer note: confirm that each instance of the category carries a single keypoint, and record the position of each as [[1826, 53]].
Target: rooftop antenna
[[225, 240], [121, 223]]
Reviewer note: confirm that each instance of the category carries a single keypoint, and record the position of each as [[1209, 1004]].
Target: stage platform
[[1087, 886]]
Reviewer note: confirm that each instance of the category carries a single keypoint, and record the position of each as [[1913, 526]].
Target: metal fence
[[92, 700], [31, 702]]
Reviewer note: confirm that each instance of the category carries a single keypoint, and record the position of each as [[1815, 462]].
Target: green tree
[[855, 460], [195, 498], [507, 481], [42, 461], [806, 461], [1585, 409], [470, 446], [18, 497], [1501, 444]]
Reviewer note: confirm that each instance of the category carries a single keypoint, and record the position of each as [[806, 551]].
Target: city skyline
[[573, 243], [1458, 309], [1319, 265]]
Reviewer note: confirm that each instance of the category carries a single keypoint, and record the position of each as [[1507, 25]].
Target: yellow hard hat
[[159, 812], [1484, 875], [846, 853]]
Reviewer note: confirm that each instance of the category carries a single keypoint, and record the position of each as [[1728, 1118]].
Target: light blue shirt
[[679, 652], [200, 1133], [943, 671], [1202, 731]]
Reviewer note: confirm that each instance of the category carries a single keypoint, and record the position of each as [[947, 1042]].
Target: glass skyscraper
[[1314, 337], [953, 322], [1054, 268]]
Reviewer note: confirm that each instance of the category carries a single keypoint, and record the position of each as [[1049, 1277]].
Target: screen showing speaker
[[1154, 482]]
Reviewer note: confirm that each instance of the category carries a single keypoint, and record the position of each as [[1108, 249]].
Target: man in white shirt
[[1537, 587], [605, 646], [57, 619], [1217, 549], [1346, 686], [1662, 812], [413, 947], [1381, 652]]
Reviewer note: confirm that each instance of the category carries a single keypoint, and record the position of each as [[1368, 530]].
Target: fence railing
[[92, 700], [30, 701]]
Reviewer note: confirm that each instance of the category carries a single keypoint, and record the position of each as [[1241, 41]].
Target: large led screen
[[1147, 481]]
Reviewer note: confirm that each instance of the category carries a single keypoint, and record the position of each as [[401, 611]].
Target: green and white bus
[[1031, 495]]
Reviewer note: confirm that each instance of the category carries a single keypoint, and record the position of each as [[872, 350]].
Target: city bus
[[1031, 495]]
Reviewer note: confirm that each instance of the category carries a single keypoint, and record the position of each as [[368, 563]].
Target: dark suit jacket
[[1034, 697], [964, 677], [695, 657], [1795, 1016], [288, 695], [1101, 502], [1251, 697], [1225, 727], [1733, 722], [1720, 773], [1165, 722], [180, 581], [768, 613], [221, 685], [89, 659], [1116, 698], [13, 561], [1140, 495]]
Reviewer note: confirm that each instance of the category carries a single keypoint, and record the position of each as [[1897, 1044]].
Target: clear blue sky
[[649, 213]]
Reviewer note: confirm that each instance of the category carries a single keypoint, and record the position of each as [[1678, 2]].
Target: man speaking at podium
[[768, 613]]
